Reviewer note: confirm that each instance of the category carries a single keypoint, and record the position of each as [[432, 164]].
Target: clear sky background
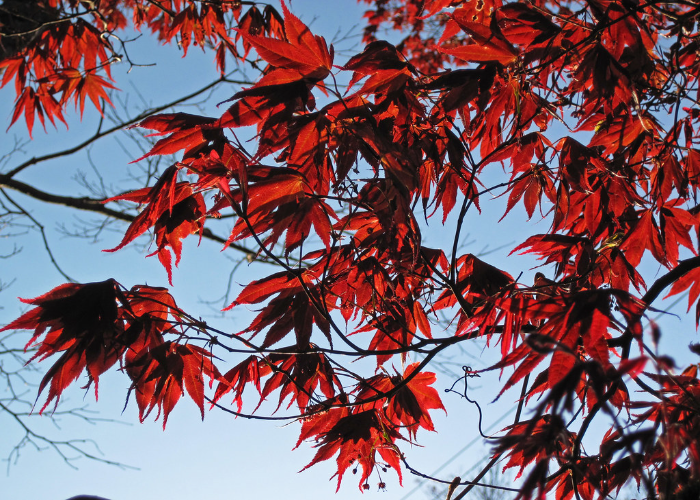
[[221, 457]]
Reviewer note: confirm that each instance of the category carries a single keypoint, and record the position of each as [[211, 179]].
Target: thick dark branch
[[162, 7], [69, 17], [668, 278], [96, 206], [84, 203]]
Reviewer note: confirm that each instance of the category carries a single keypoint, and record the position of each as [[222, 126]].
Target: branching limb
[[103, 133]]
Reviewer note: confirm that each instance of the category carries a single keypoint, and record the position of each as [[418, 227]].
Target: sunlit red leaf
[[357, 439], [173, 210], [161, 375], [303, 52], [488, 45]]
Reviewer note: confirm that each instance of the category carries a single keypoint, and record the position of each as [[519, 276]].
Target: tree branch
[[97, 206], [100, 134]]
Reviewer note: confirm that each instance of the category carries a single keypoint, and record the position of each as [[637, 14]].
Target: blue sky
[[221, 457]]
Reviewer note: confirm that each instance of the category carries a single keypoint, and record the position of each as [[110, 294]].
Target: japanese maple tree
[[583, 114]]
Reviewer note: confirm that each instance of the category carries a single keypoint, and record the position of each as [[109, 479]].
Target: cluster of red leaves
[[383, 405], [95, 325], [55, 50], [174, 212], [474, 84]]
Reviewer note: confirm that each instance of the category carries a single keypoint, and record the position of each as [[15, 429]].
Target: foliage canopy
[[587, 110]]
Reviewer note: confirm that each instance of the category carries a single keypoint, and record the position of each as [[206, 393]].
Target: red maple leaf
[[83, 322], [174, 211], [303, 53], [162, 374], [409, 405], [356, 438]]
